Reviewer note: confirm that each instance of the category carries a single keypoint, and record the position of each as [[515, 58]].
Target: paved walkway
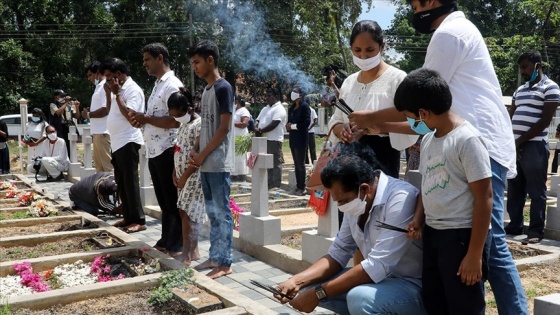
[[244, 267]]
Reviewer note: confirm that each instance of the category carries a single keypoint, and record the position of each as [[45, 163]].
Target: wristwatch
[[320, 292]]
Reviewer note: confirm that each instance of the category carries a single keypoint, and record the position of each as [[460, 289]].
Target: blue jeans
[[502, 273], [390, 296], [216, 189], [532, 165]]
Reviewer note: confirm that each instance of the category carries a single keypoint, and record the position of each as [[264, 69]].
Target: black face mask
[[422, 21]]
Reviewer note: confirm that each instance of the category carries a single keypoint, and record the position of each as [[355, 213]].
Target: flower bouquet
[[25, 199], [11, 194], [42, 208], [7, 186], [235, 211]]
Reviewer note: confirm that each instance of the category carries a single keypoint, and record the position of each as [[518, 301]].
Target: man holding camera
[[53, 157], [63, 109]]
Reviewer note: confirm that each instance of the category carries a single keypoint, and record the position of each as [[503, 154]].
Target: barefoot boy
[[456, 193], [214, 156]]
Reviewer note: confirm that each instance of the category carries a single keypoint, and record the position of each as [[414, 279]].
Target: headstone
[[292, 182], [23, 114], [147, 192], [75, 168], [88, 153], [258, 227], [547, 305], [315, 243]]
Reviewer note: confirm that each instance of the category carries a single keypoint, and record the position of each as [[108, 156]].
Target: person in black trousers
[[299, 117]]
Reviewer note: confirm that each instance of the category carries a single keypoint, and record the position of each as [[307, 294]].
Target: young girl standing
[[187, 177]]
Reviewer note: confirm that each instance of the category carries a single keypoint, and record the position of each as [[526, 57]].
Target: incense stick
[[390, 227], [270, 289]]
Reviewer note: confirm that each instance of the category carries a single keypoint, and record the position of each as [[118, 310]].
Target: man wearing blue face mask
[[532, 108], [388, 279]]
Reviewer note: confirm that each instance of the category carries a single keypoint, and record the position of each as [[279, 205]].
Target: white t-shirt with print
[[121, 131], [159, 139]]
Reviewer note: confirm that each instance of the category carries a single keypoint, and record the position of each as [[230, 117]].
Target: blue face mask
[[419, 127], [534, 75], [35, 119]]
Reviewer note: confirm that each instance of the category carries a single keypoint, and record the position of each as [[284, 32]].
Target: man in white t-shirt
[[311, 140], [160, 135], [270, 123], [126, 141], [97, 114]]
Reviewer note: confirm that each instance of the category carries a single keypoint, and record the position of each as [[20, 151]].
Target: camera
[[340, 75], [37, 163]]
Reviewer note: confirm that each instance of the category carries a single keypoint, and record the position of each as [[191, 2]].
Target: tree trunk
[[337, 23]]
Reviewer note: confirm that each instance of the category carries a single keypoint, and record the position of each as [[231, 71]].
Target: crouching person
[[94, 193], [54, 157], [388, 280]]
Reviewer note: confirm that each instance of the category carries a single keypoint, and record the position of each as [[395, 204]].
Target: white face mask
[[185, 119], [294, 96], [367, 64], [355, 207], [51, 136]]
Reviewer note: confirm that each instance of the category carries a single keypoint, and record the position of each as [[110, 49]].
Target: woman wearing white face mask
[[372, 88], [299, 117]]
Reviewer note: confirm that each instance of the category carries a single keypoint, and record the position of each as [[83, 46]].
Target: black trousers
[[312, 149], [275, 173], [125, 161], [442, 290], [554, 168], [161, 169], [298, 154]]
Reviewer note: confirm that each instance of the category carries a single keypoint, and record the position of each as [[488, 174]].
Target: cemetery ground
[[538, 280]]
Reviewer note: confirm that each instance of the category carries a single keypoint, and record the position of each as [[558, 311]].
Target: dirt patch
[[9, 204], [119, 304], [46, 228], [537, 281], [58, 247], [293, 241], [298, 219]]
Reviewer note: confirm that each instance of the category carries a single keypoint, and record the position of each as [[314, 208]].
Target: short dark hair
[[533, 56], [443, 2], [349, 171], [93, 67], [156, 49], [113, 65], [181, 100], [241, 100], [371, 27], [273, 91], [423, 88], [50, 126], [205, 49]]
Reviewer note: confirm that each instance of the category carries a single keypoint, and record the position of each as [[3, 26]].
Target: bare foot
[[174, 254], [206, 265], [219, 271], [195, 257], [184, 259]]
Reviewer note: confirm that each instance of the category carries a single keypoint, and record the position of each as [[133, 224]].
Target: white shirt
[[387, 253], [375, 95], [458, 52], [313, 117], [57, 151], [273, 113], [239, 114], [37, 130], [98, 100], [160, 139], [120, 129]]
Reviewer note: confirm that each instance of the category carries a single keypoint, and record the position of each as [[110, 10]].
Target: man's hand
[[362, 119], [115, 86], [138, 119], [306, 301], [288, 287], [85, 112], [288, 126], [107, 88], [414, 230], [470, 269]]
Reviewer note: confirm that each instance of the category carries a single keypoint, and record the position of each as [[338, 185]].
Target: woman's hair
[[181, 100], [39, 112], [241, 100], [371, 27]]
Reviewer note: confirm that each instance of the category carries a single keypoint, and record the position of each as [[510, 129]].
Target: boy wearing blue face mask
[[456, 193]]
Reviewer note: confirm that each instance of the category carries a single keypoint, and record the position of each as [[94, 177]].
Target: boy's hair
[[273, 91], [113, 65], [443, 2], [205, 49], [181, 100], [355, 165], [156, 49], [93, 67], [423, 88], [533, 56]]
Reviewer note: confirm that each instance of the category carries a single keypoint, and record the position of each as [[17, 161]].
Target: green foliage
[[243, 143], [169, 280], [5, 309]]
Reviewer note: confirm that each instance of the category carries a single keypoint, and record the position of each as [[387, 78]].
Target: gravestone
[[75, 167], [258, 227], [87, 140]]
